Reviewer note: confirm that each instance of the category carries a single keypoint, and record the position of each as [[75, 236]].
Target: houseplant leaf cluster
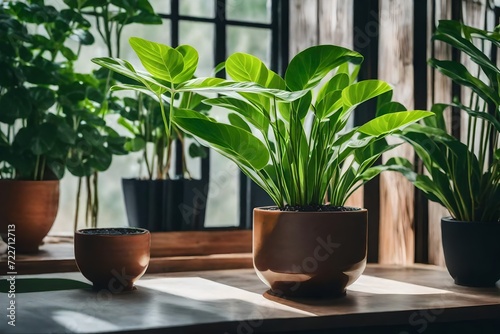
[[463, 176], [161, 90], [290, 135], [36, 67], [287, 134]]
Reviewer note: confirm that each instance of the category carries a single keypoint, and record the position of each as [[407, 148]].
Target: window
[[216, 28]]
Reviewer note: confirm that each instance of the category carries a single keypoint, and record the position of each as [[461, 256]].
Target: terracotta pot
[[472, 251], [112, 258], [309, 254], [32, 207]]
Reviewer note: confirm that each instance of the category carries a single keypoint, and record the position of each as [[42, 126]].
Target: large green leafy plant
[[287, 134], [292, 138], [463, 176], [36, 76]]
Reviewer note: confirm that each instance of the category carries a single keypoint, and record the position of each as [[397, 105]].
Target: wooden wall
[[331, 21], [397, 240]]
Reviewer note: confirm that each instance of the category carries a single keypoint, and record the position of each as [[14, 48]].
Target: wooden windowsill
[[170, 251]]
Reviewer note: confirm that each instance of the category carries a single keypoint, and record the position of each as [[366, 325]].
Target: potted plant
[[35, 138], [464, 176], [160, 202], [291, 138]]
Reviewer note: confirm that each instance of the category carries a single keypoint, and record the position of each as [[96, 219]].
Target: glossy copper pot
[[31, 208], [112, 258], [309, 254]]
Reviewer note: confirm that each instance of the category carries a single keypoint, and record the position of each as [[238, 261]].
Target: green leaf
[[44, 140], [459, 74], [389, 123], [190, 59], [237, 121], [390, 107], [338, 82], [42, 98], [162, 61], [83, 36], [253, 114], [244, 67], [310, 66], [217, 85], [197, 151], [14, 105], [135, 144], [123, 67], [234, 143]]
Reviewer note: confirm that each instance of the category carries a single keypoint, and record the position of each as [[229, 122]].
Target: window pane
[[223, 207], [255, 41], [199, 35], [199, 8], [161, 6], [251, 11]]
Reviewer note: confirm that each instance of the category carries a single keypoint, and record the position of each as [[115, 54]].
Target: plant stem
[[95, 202], [78, 195], [37, 166], [88, 210]]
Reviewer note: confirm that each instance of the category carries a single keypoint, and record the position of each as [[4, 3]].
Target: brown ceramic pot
[[30, 206], [309, 254], [112, 258]]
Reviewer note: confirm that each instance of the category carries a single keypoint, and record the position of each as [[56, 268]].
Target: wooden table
[[386, 299]]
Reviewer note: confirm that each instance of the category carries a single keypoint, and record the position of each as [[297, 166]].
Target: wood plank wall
[[330, 21], [397, 238]]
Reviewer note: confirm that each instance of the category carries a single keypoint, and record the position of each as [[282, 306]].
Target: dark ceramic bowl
[[112, 258]]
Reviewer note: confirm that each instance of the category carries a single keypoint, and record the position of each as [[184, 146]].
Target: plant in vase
[[464, 176], [292, 139], [35, 64], [160, 202]]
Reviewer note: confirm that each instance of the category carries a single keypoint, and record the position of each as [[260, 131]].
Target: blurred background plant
[[463, 175], [36, 72], [101, 142]]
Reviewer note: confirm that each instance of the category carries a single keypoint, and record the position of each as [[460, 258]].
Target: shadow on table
[[23, 285]]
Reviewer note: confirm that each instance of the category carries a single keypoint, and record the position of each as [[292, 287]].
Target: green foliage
[[148, 118], [36, 71], [289, 134], [464, 176]]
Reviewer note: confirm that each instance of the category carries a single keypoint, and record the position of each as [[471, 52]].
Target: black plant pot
[[166, 205], [472, 251]]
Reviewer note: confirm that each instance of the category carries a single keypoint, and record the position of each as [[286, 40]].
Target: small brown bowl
[[112, 258]]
